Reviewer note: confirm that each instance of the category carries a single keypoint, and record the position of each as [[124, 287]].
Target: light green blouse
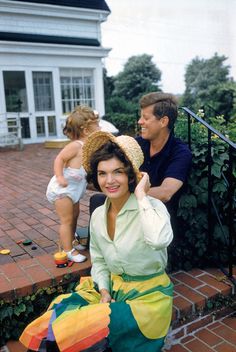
[[142, 234]]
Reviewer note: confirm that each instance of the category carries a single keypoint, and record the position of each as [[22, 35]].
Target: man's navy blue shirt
[[174, 160]]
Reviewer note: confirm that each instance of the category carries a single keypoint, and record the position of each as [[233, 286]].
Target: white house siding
[[29, 57], [50, 20]]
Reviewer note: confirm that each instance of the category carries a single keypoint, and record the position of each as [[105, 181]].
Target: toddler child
[[68, 184]]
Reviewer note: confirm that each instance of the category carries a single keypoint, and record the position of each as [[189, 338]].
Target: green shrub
[[15, 315], [126, 123], [191, 250]]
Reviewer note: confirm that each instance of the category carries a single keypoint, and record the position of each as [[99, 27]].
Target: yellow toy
[[60, 258]]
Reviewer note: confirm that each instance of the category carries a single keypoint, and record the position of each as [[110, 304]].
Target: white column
[[31, 108], [99, 89], [2, 96], [58, 103]]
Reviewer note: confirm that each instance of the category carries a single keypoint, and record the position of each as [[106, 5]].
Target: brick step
[[193, 290], [199, 292], [27, 276], [207, 334], [202, 300], [190, 327], [56, 143]]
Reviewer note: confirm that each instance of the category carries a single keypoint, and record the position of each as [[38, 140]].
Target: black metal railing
[[230, 184]]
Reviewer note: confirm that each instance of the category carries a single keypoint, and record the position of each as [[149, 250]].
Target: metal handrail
[[209, 127], [232, 149]]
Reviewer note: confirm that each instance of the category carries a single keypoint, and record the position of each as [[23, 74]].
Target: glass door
[[16, 101], [46, 126], [45, 118]]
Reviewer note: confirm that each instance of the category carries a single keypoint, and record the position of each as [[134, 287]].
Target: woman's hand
[[105, 296], [62, 181], [142, 187]]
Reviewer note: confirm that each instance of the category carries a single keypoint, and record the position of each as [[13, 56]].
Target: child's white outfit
[[75, 190]]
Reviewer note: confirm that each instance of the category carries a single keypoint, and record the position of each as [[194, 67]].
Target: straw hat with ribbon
[[127, 144]]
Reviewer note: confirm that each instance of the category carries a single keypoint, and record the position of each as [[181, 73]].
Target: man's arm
[[166, 190]]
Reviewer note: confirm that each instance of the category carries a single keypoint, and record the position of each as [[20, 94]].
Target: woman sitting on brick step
[[127, 303]]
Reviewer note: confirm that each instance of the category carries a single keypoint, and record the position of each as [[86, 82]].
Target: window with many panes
[[43, 91], [77, 87]]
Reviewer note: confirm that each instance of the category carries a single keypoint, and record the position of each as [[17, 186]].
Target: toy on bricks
[[27, 242], [5, 251], [60, 258]]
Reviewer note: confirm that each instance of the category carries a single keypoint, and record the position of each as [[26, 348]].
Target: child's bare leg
[[76, 210], [77, 244], [64, 209]]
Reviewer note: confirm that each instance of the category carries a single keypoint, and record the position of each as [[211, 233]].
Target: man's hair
[[164, 104], [106, 152]]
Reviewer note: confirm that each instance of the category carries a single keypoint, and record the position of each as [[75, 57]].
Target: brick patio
[[26, 214]]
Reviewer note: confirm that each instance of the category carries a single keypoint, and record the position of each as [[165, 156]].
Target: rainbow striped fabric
[[137, 321]]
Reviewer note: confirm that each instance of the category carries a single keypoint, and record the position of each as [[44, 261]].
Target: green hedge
[[191, 249], [15, 315]]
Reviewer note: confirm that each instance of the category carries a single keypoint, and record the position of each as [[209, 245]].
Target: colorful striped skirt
[[138, 320]]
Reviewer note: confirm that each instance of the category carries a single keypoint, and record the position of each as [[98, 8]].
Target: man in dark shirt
[[167, 159]]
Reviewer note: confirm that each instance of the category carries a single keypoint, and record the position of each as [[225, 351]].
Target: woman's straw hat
[[127, 144]]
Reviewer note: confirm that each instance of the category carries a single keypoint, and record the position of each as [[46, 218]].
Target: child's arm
[[67, 153]]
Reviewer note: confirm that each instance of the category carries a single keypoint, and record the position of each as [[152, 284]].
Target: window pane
[[52, 126], [43, 91], [65, 92], [40, 126], [25, 127], [15, 91]]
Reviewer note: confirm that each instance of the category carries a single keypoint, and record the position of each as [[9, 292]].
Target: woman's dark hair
[[106, 152]]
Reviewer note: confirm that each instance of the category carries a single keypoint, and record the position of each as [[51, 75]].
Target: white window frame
[[77, 88], [43, 90]]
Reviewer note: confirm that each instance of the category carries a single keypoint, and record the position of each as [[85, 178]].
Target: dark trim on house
[[50, 39], [87, 4]]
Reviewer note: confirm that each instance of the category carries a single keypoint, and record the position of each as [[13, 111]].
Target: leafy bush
[[15, 315], [126, 123], [120, 105], [191, 249]]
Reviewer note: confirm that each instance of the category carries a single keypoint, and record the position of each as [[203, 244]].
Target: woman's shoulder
[[98, 212]]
